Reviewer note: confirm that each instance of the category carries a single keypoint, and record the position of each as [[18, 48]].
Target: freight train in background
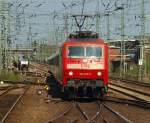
[[81, 65]]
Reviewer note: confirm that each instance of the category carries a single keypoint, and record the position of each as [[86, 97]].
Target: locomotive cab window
[[75, 51], [84, 51], [93, 52]]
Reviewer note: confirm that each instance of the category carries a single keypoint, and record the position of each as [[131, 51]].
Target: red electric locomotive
[[81, 65]]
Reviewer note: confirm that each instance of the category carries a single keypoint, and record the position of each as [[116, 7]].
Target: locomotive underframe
[[85, 87]]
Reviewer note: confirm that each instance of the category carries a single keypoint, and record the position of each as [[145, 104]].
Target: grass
[[148, 68], [9, 75]]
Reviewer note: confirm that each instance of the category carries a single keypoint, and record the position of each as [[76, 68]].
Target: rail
[[61, 115], [130, 92], [129, 88], [138, 103], [14, 104], [87, 118], [130, 81], [117, 113]]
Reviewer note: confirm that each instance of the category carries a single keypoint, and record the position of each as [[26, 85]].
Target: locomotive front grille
[[85, 83]]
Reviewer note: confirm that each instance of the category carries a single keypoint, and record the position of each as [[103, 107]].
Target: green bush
[[9, 75]]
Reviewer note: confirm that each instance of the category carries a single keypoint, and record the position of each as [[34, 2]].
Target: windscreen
[[84, 51], [75, 51], [93, 52], [23, 58]]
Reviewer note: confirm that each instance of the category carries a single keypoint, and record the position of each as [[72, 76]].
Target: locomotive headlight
[[70, 73], [99, 73]]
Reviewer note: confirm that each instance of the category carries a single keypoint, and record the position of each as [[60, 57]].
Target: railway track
[[25, 82], [6, 89], [130, 81], [130, 92], [138, 103], [119, 115], [41, 67], [82, 115], [138, 89], [9, 98]]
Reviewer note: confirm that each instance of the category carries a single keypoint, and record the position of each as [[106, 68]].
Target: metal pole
[[8, 39], [98, 19], [3, 35], [108, 36], [122, 43], [108, 27], [141, 60], [122, 39], [66, 24], [1, 2]]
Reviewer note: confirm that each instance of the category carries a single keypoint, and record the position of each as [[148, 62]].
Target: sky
[[45, 20]]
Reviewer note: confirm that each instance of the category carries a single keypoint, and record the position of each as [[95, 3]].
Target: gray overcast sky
[[43, 19]]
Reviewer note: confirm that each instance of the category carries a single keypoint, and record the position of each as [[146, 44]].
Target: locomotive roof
[[85, 42], [84, 35]]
